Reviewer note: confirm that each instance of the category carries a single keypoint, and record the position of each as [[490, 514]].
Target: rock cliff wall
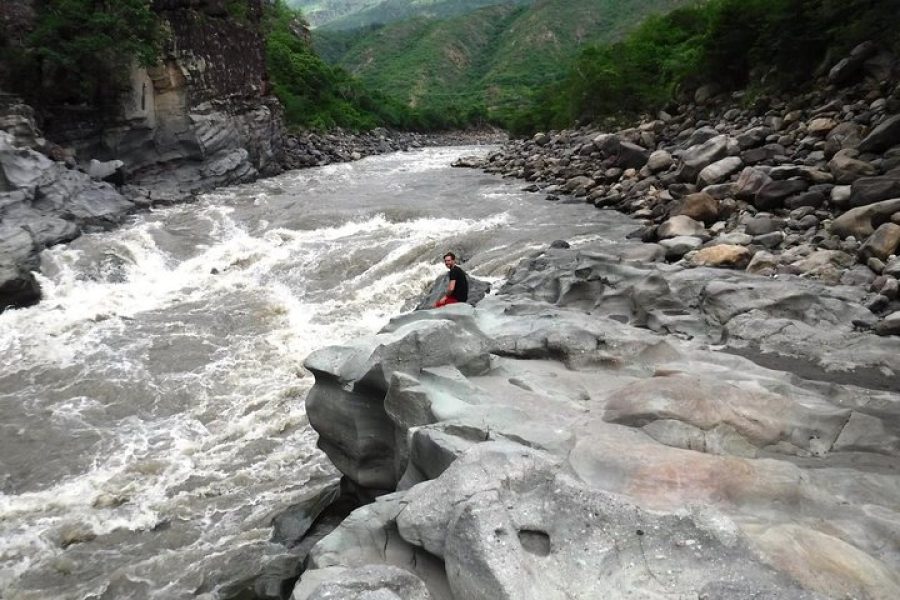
[[201, 118]]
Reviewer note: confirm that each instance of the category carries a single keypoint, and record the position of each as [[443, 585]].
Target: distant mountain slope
[[354, 14], [485, 60]]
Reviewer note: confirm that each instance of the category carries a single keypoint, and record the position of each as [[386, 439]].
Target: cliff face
[[201, 118], [203, 115]]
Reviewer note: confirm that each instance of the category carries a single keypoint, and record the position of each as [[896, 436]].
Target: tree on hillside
[[79, 50]]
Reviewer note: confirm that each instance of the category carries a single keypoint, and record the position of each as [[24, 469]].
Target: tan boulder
[[820, 127], [723, 255], [700, 207], [860, 222], [882, 243]]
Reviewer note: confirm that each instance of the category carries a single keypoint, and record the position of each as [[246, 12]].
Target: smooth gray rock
[[678, 246], [719, 171], [20, 167], [369, 536], [698, 157]]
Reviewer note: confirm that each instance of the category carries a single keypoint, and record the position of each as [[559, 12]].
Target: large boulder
[[861, 222], [882, 243], [680, 225], [885, 136], [750, 181], [18, 286], [20, 167], [722, 255], [700, 207], [773, 194], [347, 404], [696, 158], [719, 171], [869, 190], [846, 168], [478, 289], [850, 68], [510, 524]]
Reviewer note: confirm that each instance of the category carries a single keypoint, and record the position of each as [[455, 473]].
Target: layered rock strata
[[804, 185], [592, 431]]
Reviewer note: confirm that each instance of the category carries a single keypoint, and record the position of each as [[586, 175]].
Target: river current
[[151, 406]]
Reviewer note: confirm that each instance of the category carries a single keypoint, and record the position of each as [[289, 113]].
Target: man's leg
[[445, 302]]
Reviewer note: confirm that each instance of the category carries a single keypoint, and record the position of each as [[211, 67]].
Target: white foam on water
[[195, 464]]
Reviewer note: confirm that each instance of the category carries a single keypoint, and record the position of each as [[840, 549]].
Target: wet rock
[[478, 289], [367, 583]]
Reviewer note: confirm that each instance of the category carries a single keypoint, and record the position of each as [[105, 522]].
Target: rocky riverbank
[[707, 410], [806, 185]]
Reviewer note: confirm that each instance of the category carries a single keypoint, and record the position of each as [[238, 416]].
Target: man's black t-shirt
[[461, 290]]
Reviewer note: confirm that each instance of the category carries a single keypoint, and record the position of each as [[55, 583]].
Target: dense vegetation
[[756, 44], [319, 96], [79, 46], [481, 66], [337, 15]]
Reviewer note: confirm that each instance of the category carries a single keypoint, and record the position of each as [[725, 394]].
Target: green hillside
[[486, 62], [336, 15]]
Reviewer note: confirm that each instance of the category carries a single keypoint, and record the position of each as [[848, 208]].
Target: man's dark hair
[[450, 254]]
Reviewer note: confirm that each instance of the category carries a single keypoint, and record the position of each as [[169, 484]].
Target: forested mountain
[[354, 14], [484, 62]]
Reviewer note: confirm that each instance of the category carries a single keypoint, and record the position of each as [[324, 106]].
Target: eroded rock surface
[[592, 430]]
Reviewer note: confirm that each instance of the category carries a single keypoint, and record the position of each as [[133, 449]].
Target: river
[[151, 406]]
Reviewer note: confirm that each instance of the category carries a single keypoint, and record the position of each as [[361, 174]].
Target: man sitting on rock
[[458, 288]]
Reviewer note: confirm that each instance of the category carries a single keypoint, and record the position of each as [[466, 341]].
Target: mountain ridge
[[483, 62]]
